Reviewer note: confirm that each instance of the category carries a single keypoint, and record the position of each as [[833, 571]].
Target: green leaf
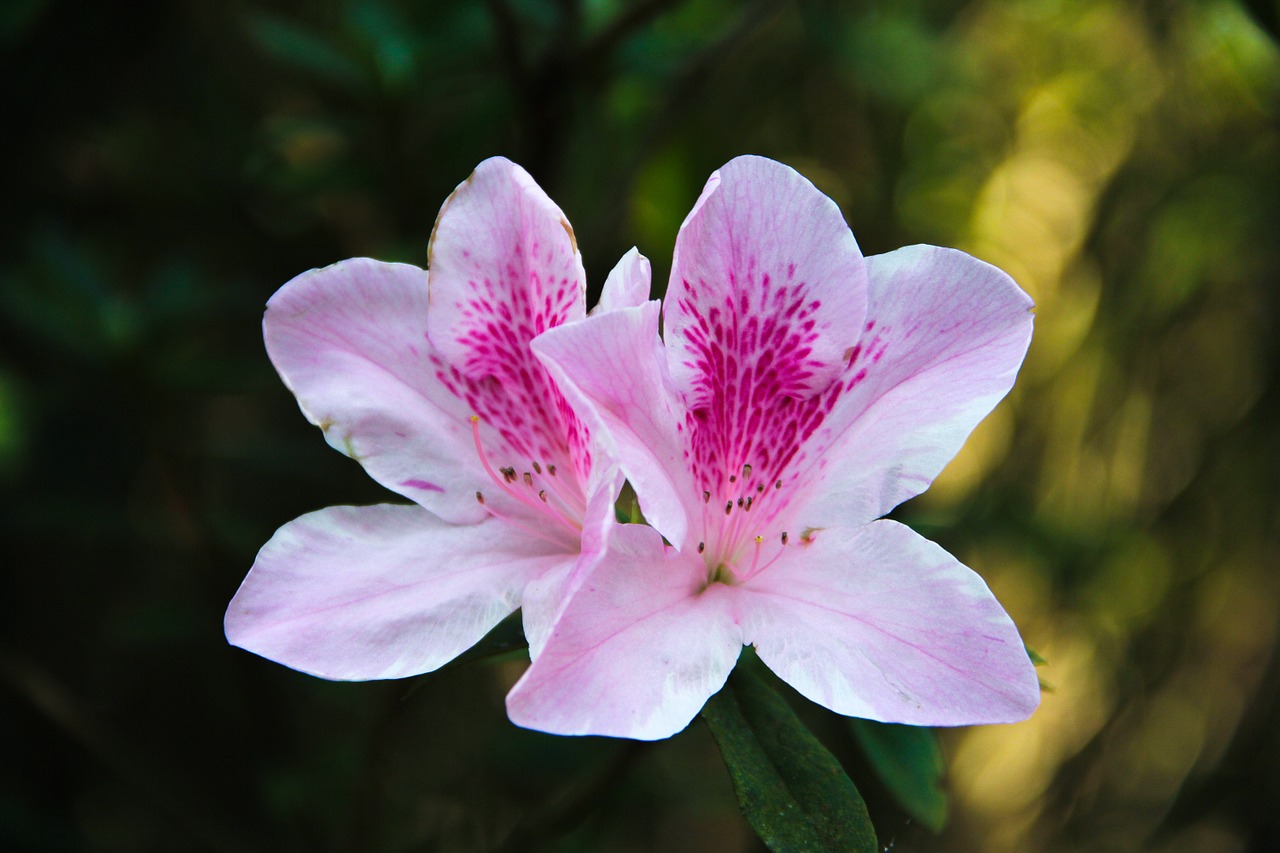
[[793, 792], [909, 761]]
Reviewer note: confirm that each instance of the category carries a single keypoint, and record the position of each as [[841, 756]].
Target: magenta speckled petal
[[503, 268], [944, 338], [793, 404], [764, 263], [879, 622], [767, 296], [637, 653], [358, 593], [472, 429]]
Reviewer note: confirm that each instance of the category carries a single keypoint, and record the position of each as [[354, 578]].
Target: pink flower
[[426, 378], [801, 393]]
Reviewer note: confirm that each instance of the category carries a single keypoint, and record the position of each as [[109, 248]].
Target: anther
[[542, 495], [508, 474], [739, 502], [746, 471], [480, 498], [528, 479], [750, 501], [784, 537], [551, 469], [733, 478], [778, 485], [755, 557], [702, 546], [706, 497], [537, 468], [759, 488], [728, 508]]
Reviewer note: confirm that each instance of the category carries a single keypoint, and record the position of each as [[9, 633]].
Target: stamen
[[702, 546], [537, 468], [728, 508], [528, 479], [706, 497], [784, 537], [551, 469], [778, 485], [755, 557], [733, 478], [480, 498], [508, 476], [542, 495], [484, 459], [746, 471], [750, 501]]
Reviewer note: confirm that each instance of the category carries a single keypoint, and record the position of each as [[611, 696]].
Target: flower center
[[735, 548]]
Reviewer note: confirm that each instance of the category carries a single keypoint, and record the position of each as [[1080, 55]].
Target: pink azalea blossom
[[801, 393], [427, 379]]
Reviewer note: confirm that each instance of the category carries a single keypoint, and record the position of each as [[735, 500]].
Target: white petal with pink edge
[[350, 342], [879, 622], [360, 593], [627, 284]]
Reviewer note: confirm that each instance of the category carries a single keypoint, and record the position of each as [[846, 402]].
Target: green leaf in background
[[308, 52], [908, 760], [793, 792]]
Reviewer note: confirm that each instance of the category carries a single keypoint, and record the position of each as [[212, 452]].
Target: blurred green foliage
[[167, 166]]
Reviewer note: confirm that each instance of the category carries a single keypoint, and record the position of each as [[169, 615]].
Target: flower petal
[[627, 285], [504, 267], [638, 651], [764, 261], [350, 342], [767, 295], [945, 336], [360, 593], [879, 622], [546, 598], [612, 370]]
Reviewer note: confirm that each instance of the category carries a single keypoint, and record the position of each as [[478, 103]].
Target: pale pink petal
[[361, 593], [638, 651], [767, 296], [503, 268], [945, 336], [879, 622], [350, 342], [611, 368], [627, 284], [545, 598]]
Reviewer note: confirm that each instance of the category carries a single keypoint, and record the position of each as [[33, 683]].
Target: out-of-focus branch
[[607, 40], [56, 703]]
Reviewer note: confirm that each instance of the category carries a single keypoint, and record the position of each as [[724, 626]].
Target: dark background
[[168, 165]]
